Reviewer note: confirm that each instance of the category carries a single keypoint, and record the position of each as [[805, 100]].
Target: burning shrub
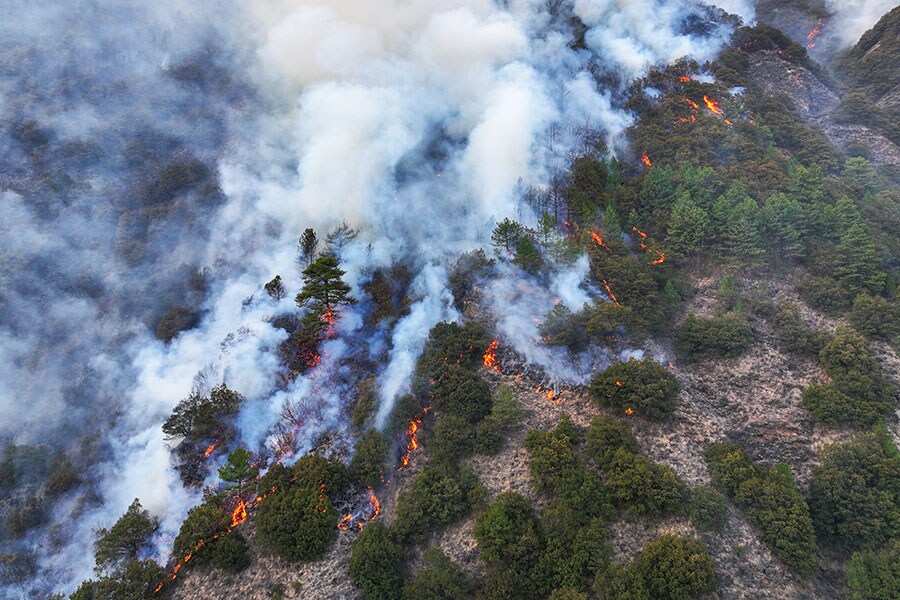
[[725, 336], [199, 534], [124, 540], [200, 417], [855, 493], [674, 567], [469, 269], [376, 563], [450, 343], [606, 435], [642, 387], [644, 487], [135, 580], [439, 496], [230, 554], [770, 500], [439, 578], [707, 509], [369, 459]]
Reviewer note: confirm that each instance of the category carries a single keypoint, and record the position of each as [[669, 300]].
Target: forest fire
[[344, 524], [610, 293], [374, 504], [629, 411], [599, 240], [413, 440], [693, 104], [239, 514], [811, 38], [209, 449], [646, 160], [684, 79], [661, 257], [489, 358], [713, 106]]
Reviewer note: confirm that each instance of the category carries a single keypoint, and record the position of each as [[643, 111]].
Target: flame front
[[209, 449], [811, 38], [713, 106], [661, 257], [610, 293], [490, 356], [599, 239], [646, 160], [239, 514]]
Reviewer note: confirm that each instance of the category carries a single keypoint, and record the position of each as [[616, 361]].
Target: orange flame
[[693, 104], [209, 449], [344, 524], [413, 443], [684, 79], [629, 411], [490, 356], [661, 257], [375, 504], [619, 383], [713, 106], [810, 39], [239, 514], [646, 160], [597, 238], [610, 293]]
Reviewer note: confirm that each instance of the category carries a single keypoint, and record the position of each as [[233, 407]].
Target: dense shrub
[[725, 336], [643, 387], [438, 578], [451, 343], [794, 335], [621, 583], [504, 416], [673, 567], [770, 500], [707, 509], [369, 460], [577, 547], [559, 470], [134, 580], [876, 317], [298, 522], [461, 392], [859, 394], [439, 496], [642, 486], [508, 532], [230, 553], [825, 294], [874, 575], [606, 435], [855, 493], [376, 564]]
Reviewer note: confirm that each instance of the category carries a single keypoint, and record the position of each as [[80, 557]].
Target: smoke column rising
[[418, 122]]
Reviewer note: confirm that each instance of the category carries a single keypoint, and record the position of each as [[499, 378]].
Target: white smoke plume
[[852, 18], [418, 122]]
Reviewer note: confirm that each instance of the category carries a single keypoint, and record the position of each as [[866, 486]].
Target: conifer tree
[[784, 221], [505, 236]]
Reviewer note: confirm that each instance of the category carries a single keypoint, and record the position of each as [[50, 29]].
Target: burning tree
[[323, 291], [643, 387]]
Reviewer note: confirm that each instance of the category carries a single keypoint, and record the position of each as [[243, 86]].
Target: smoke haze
[[175, 165]]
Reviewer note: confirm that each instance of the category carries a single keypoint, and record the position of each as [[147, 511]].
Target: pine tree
[[505, 236], [784, 221], [275, 288], [689, 227], [657, 190], [527, 255], [323, 291], [238, 470], [339, 237], [858, 267]]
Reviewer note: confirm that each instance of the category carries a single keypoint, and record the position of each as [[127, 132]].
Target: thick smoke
[[852, 18], [418, 122]]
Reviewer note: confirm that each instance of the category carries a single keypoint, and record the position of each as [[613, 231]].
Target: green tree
[[506, 235], [527, 255], [133, 580], [606, 435], [238, 470], [676, 568], [323, 287], [644, 487], [200, 417], [707, 509], [657, 191], [231, 553], [725, 336], [690, 227], [370, 456], [874, 575], [784, 221], [738, 224], [438, 578], [508, 532], [124, 540], [376, 564], [876, 317], [642, 387], [855, 493], [440, 495], [461, 392], [859, 267]]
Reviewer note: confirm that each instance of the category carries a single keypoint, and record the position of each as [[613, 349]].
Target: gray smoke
[[419, 122]]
